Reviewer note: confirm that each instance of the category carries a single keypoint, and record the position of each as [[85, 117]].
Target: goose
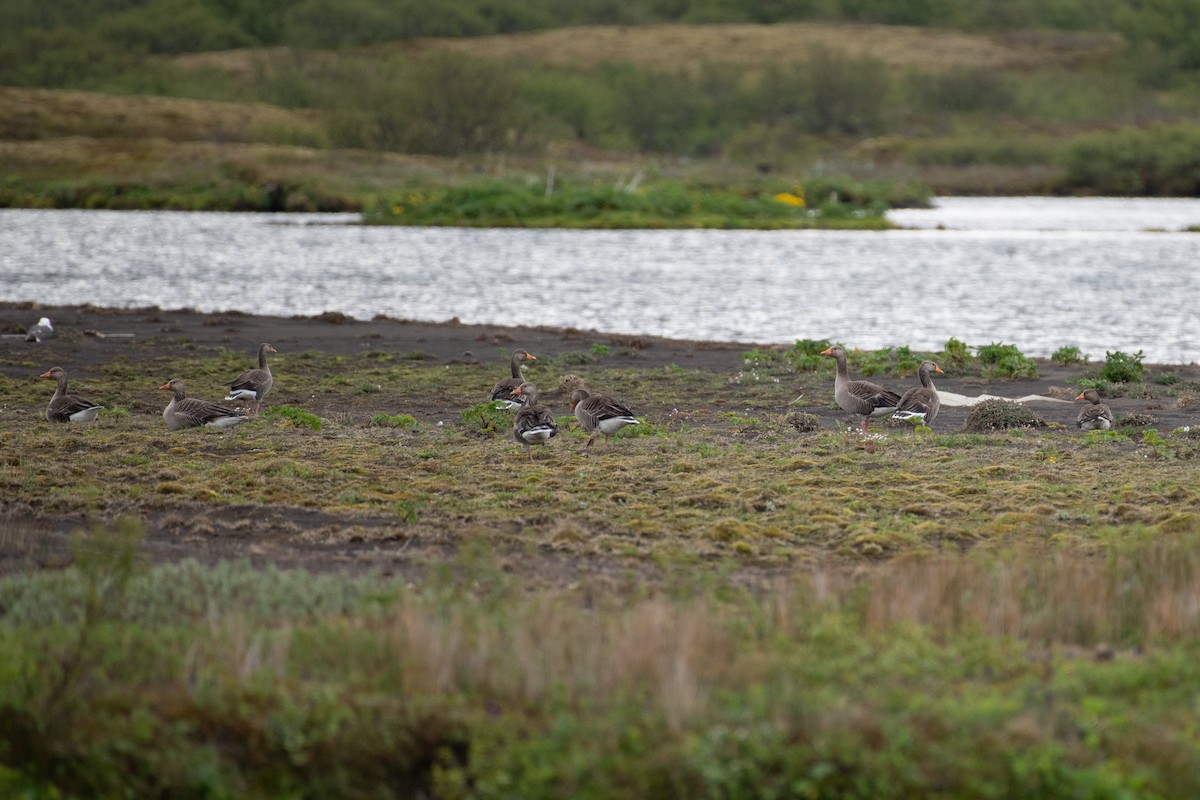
[[920, 404], [534, 424], [599, 413], [859, 397], [1095, 416], [40, 332], [253, 384], [189, 412], [68, 407], [504, 392]]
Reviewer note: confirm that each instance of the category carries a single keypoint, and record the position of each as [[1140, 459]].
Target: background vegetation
[[1098, 96]]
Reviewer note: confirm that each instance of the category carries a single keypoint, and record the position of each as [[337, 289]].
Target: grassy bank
[[735, 474], [736, 598]]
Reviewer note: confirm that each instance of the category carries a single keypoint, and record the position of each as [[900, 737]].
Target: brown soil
[[156, 332]]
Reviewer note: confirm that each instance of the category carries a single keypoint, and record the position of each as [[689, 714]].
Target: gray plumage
[[41, 331], [190, 412], [920, 404], [600, 414], [534, 424], [1095, 416], [253, 384], [68, 407], [503, 391], [857, 396]]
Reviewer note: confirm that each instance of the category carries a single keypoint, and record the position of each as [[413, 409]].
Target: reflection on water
[[1099, 290]]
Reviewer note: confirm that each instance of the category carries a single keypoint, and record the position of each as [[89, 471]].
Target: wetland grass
[[1037, 673], [727, 602]]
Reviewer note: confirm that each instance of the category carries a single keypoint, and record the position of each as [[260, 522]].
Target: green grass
[[1055, 673], [721, 603], [662, 205]]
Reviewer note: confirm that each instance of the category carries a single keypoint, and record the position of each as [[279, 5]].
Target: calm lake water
[[1100, 274]]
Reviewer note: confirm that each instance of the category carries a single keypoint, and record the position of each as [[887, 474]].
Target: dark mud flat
[[717, 478]]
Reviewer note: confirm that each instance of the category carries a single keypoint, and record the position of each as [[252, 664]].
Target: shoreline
[[450, 338]]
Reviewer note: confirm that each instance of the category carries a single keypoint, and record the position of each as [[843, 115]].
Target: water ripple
[[1041, 289]]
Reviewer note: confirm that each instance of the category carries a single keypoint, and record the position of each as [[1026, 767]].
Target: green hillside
[[1068, 96]]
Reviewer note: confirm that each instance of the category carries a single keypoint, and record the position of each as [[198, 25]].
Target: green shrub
[[805, 354], [486, 418], [1069, 355], [955, 354], [759, 357], [1161, 160], [1120, 367], [1006, 361]]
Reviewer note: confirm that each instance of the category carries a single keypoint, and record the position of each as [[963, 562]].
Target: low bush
[[1006, 361], [1000, 415], [1121, 367], [1069, 355]]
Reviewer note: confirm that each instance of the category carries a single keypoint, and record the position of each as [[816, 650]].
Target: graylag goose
[[253, 384], [504, 392], [920, 404], [534, 424], [599, 413], [40, 332], [1095, 416], [68, 407], [859, 397], [189, 412]]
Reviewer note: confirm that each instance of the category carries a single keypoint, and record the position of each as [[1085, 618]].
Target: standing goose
[[599, 413], [505, 391], [920, 404], [1095, 416], [253, 384], [188, 412], [859, 397], [68, 407], [534, 424], [40, 332]]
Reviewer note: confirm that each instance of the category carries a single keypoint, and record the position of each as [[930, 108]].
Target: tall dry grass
[[671, 654]]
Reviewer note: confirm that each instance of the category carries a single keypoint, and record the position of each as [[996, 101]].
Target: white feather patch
[[538, 434], [614, 424], [225, 422]]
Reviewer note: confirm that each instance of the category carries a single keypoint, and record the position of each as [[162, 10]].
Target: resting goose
[[68, 407], [599, 413], [504, 391], [253, 384], [40, 332], [534, 424], [1095, 416], [859, 397], [920, 404], [188, 412]]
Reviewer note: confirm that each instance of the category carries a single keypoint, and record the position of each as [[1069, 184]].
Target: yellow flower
[[397, 209], [790, 199]]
